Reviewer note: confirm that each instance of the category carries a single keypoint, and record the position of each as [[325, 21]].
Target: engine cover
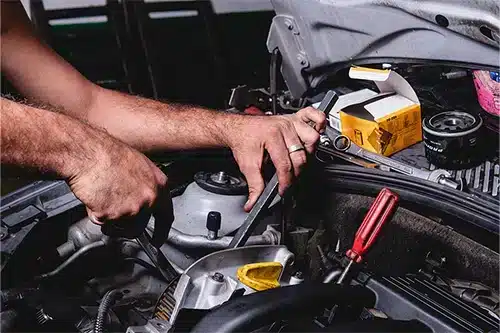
[[414, 297]]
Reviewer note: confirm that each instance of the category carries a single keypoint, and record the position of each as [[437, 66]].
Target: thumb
[[255, 186]]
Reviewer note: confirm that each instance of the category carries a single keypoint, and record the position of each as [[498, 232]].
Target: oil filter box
[[383, 122]]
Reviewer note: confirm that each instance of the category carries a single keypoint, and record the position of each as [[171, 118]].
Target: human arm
[[111, 179], [150, 125]]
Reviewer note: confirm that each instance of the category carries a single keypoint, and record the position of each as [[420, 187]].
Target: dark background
[[195, 59]]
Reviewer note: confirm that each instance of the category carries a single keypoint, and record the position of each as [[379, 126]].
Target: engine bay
[[426, 272], [309, 262]]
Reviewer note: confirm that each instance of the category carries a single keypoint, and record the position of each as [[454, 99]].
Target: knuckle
[[247, 166], [315, 137], [256, 187], [275, 129], [149, 196], [308, 110], [113, 215], [134, 209], [298, 162], [285, 166], [301, 159], [162, 179], [289, 126]]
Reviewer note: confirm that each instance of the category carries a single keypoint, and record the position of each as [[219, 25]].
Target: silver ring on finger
[[294, 148]]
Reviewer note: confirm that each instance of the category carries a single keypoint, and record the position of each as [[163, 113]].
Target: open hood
[[319, 37]]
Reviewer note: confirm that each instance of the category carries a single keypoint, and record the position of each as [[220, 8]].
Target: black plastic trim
[[465, 206]]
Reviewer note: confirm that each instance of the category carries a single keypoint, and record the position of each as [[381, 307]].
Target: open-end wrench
[[271, 190], [156, 256], [344, 144], [136, 229]]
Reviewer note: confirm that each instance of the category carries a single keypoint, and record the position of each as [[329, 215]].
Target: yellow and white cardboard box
[[384, 122]]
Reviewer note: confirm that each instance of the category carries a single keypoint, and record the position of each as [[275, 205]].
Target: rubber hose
[[273, 79], [72, 259], [106, 303]]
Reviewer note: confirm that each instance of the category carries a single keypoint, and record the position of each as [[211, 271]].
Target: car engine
[[308, 262]]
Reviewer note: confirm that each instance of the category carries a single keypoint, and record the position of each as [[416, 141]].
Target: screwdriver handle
[[380, 212]]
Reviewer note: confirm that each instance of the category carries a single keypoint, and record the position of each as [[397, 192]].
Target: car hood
[[318, 37]]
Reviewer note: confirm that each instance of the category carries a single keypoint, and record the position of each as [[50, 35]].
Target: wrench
[[344, 144], [271, 189]]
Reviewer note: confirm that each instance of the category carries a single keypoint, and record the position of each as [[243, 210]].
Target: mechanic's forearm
[[46, 142], [149, 125]]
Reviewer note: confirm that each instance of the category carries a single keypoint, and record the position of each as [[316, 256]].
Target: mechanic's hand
[[118, 184], [275, 134]]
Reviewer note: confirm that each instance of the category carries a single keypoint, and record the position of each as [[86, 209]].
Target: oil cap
[[260, 276]]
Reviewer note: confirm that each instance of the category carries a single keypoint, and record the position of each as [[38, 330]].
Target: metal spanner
[[344, 144], [271, 190]]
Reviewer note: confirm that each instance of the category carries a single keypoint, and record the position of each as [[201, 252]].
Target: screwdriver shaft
[[345, 272]]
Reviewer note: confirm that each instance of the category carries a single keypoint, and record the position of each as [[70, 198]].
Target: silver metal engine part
[[192, 207], [153, 326], [212, 280], [212, 192], [269, 237], [80, 234]]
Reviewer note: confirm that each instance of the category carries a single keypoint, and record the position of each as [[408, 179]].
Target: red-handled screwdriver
[[380, 212]]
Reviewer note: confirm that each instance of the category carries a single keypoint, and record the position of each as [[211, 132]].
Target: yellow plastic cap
[[260, 276]]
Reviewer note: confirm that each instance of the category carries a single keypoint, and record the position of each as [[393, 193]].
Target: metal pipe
[[333, 275], [183, 240], [81, 233]]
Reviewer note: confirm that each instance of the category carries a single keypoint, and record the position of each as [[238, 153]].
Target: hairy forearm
[[143, 124], [149, 125], [45, 141]]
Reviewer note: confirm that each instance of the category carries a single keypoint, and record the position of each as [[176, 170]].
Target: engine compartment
[[420, 272], [434, 267]]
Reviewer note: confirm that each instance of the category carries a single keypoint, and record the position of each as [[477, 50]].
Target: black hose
[[144, 264], [273, 79], [72, 259], [106, 303]]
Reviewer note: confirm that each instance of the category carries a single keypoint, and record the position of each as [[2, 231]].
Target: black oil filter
[[454, 139]]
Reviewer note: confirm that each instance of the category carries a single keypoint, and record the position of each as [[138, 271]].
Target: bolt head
[[218, 277], [213, 221], [302, 60]]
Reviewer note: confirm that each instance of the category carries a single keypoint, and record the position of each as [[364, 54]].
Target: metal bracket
[[153, 326]]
